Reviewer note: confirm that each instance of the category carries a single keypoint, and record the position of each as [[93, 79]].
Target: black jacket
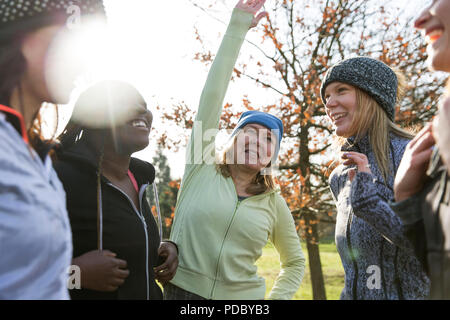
[[426, 217], [123, 228]]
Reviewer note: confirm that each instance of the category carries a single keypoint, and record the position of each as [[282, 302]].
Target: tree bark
[[315, 266]]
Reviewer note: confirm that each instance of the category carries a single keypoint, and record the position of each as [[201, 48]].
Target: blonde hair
[[369, 118], [260, 184]]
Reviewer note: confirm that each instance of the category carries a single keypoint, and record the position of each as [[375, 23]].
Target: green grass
[[333, 272]]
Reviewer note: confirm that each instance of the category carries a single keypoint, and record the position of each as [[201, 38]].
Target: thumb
[[258, 18]]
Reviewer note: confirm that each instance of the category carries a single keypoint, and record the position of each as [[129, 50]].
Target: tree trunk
[[315, 266]]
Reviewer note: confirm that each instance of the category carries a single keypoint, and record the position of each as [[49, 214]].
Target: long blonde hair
[[369, 118], [260, 184]]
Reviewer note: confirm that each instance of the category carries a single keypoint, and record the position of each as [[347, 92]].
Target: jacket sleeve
[[333, 181], [374, 210], [201, 145], [409, 211], [287, 243], [16, 206]]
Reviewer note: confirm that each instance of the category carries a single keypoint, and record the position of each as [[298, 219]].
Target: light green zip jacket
[[219, 237]]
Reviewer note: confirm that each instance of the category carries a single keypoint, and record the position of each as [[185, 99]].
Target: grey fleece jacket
[[378, 259]]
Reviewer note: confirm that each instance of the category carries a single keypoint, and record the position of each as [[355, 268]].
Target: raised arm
[[213, 94]]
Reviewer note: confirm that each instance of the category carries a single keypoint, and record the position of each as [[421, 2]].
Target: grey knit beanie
[[372, 76]]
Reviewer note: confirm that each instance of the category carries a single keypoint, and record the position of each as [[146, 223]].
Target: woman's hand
[[441, 132], [411, 173], [165, 272], [253, 6], [101, 270], [358, 159]]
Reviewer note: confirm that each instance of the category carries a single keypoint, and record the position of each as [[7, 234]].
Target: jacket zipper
[[239, 202], [221, 248], [225, 237], [141, 217]]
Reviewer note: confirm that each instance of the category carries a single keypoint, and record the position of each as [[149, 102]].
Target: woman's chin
[[440, 60], [342, 132], [249, 167], [141, 146], [254, 167], [135, 146]]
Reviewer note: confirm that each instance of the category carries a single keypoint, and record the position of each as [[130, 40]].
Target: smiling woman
[[115, 238], [225, 216], [35, 237], [360, 95], [435, 24], [422, 185], [341, 107]]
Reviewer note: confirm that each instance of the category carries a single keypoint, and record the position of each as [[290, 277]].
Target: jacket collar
[[81, 152], [362, 145], [16, 119]]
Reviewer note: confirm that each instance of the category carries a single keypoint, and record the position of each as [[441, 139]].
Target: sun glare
[[79, 57]]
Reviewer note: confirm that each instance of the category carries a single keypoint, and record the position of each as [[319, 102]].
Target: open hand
[[358, 159], [253, 6], [411, 173]]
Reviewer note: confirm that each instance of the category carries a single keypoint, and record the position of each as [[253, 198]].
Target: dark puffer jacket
[[124, 230], [378, 259]]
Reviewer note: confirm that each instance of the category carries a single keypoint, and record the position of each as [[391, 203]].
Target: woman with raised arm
[[35, 237], [422, 184], [226, 213], [360, 95]]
